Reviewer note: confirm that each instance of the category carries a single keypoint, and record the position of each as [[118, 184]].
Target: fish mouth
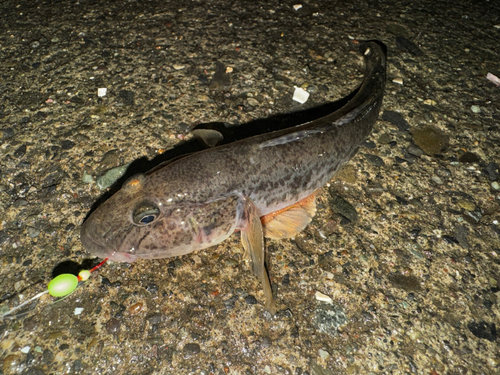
[[96, 248]]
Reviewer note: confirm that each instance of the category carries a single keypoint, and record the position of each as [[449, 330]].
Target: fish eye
[[145, 213]]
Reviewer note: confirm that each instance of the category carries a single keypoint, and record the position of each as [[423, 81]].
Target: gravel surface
[[399, 272]]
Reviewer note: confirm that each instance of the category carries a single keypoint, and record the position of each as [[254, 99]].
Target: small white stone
[[495, 185], [25, 350], [323, 354], [178, 66], [300, 95], [475, 108], [323, 297], [297, 6], [398, 80], [437, 180], [78, 310], [102, 91]]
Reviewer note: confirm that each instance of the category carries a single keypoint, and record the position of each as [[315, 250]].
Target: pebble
[[47, 356], [397, 29], [437, 180], [7, 133], [407, 45], [135, 308], [323, 354], [466, 205], [430, 139], [250, 300], [127, 97], [33, 232], [110, 177], [408, 283], [253, 102], [60, 356], [469, 157], [220, 80], [10, 364], [461, 236], [78, 310], [375, 160], [113, 326], [413, 150], [87, 178], [20, 152], [347, 174], [396, 119], [191, 349], [483, 330], [323, 297], [384, 139], [300, 95], [110, 159], [67, 144], [342, 207], [475, 108], [495, 185], [492, 171], [152, 288], [352, 370], [328, 318]]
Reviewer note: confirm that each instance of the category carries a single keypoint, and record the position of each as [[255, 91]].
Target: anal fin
[[290, 220]]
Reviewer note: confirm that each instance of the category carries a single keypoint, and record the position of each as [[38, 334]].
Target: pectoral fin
[[253, 241], [291, 220]]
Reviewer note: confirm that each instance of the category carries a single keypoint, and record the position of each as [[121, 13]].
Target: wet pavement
[[397, 274]]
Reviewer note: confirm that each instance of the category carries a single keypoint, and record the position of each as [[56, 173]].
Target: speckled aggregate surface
[[406, 238]]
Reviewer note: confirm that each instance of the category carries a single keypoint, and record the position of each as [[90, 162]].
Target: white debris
[[323, 297], [297, 6], [25, 350], [493, 78], [398, 80], [102, 91], [300, 95]]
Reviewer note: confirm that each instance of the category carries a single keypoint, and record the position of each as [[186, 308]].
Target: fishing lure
[[60, 286]]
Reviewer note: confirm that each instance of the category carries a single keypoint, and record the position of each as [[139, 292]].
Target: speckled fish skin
[[201, 199]]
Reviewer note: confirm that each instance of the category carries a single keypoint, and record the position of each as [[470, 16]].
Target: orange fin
[[253, 242], [290, 220]]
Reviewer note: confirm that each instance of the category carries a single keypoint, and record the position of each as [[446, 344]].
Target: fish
[[261, 186]]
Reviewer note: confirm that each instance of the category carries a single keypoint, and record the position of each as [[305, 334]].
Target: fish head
[[135, 223]]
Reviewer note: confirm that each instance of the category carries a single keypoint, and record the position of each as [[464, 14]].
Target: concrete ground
[[406, 239]]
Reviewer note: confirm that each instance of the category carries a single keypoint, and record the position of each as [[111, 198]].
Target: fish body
[[261, 186]]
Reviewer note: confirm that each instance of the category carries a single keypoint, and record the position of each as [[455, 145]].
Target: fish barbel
[[262, 186]]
